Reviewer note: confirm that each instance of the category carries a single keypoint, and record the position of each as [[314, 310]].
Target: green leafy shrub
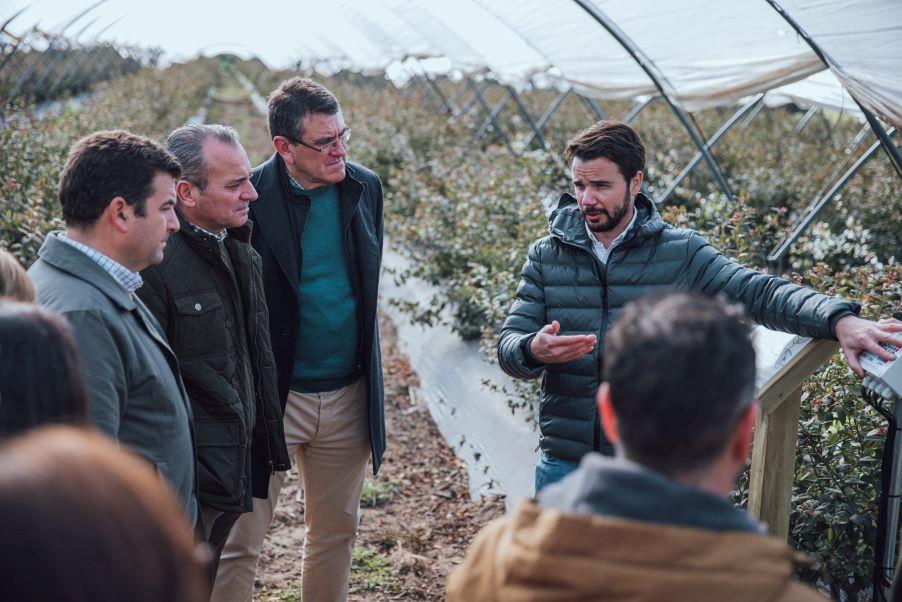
[[33, 148]]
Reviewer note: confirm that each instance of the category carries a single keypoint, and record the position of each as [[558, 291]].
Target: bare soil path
[[417, 519]]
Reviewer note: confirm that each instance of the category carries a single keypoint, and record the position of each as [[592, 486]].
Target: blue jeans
[[551, 470]]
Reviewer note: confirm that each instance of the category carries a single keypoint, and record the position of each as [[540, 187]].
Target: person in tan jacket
[[653, 523]]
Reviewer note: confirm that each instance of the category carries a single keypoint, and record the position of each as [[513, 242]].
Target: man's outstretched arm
[[781, 305]]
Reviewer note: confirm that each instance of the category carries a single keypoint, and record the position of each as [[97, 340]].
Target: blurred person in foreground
[[207, 294], [117, 192], [607, 246], [14, 282], [40, 377], [652, 523], [318, 228], [84, 521]]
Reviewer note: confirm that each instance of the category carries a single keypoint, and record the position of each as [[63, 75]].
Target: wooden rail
[[776, 435]]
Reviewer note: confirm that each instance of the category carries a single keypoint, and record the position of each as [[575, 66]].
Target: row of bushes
[[466, 211], [33, 148]]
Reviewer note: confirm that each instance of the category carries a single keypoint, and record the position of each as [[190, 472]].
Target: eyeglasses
[[327, 146]]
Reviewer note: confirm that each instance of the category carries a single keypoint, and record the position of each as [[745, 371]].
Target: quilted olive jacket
[[237, 414], [563, 280]]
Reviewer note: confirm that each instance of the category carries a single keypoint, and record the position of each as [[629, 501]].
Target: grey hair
[[187, 142]]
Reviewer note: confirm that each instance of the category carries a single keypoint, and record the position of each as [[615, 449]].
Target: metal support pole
[[805, 119], [593, 107], [751, 116], [658, 79], [496, 110], [540, 125], [890, 148], [438, 92], [473, 99], [90, 48], [753, 104], [537, 133], [457, 97], [815, 207], [485, 107], [634, 112], [12, 53]]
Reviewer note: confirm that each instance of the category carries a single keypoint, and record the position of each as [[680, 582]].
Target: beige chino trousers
[[328, 435]]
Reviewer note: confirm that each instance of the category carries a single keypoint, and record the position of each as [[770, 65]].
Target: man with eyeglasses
[[318, 229]]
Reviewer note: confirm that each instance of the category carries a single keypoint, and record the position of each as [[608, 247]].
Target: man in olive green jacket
[[207, 294], [117, 193], [654, 523]]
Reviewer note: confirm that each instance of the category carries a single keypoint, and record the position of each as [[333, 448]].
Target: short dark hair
[[293, 100], [83, 519], [681, 369], [187, 143], [104, 165], [40, 374], [612, 140]]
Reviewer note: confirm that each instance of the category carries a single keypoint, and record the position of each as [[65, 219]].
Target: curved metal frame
[[652, 71], [828, 61]]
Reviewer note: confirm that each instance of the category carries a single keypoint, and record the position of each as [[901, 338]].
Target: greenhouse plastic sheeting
[[707, 54], [863, 39], [821, 89]]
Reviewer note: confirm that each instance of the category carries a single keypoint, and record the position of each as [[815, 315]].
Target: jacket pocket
[[199, 324], [220, 463]]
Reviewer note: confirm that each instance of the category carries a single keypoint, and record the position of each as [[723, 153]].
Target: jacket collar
[[568, 224], [201, 239], [69, 259], [618, 488], [270, 211]]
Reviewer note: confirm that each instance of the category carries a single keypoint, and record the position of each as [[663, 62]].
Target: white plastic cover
[[863, 41], [704, 54]]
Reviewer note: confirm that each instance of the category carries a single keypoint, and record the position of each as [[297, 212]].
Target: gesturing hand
[[856, 335], [551, 348]]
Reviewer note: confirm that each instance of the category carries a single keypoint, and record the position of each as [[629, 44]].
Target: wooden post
[[776, 436], [773, 464]]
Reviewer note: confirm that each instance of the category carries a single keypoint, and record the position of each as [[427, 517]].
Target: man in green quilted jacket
[[608, 246]]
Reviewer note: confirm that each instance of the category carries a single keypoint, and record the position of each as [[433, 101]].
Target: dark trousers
[[217, 526]]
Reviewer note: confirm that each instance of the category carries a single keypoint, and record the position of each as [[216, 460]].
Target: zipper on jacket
[[600, 272]]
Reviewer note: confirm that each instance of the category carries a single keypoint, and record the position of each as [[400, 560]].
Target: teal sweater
[[326, 356]]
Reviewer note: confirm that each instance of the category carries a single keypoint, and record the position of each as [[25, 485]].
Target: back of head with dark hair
[[681, 369], [14, 282], [105, 165], [84, 520], [40, 379], [187, 143], [612, 140], [293, 100]]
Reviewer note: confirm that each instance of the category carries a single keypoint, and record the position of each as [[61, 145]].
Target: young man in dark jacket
[[208, 296], [608, 246], [654, 523], [318, 228]]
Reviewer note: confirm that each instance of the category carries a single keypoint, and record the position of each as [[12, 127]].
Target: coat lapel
[[272, 221]]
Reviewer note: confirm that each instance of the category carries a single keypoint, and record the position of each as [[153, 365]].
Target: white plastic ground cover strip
[[709, 54], [499, 448]]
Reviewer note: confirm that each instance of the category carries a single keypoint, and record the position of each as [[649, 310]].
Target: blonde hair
[[14, 282]]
